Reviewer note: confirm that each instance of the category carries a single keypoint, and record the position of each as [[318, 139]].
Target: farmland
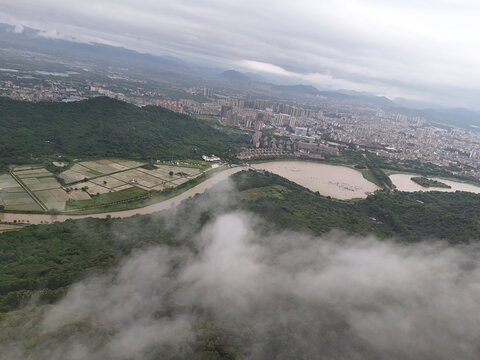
[[90, 184], [43, 187], [14, 197]]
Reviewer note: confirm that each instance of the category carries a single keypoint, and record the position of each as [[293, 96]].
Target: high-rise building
[[225, 109], [292, 122], [207, 92], [258, 125], [232, 119]]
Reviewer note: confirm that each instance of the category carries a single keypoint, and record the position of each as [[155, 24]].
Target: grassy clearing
[[274, 191], [367, 175], [108, 198]]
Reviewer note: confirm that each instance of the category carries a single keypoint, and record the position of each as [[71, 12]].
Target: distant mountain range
[[175, 71]]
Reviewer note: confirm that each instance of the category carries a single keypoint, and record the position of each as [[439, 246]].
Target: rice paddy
[[89, 183], [14, 197]]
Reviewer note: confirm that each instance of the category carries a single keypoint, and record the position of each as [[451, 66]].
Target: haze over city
[[418, 50]]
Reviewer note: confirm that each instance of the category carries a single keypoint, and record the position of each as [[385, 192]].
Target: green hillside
[[103, 127]]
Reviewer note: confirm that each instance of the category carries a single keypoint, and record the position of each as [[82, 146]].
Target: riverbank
[[149, 209]]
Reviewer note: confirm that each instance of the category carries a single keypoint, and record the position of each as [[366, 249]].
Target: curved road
[[164, 205]]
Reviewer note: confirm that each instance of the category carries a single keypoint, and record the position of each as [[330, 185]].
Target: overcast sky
[[418, 49]]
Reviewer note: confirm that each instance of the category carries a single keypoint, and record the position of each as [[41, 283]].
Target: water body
[[339, 182], [403, 182]]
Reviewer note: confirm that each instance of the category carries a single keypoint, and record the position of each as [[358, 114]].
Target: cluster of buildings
[[388, 134], [401, 137], [299, 128], [176, 106], [33, 90]]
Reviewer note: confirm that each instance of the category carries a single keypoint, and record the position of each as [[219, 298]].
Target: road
[[164, 205]]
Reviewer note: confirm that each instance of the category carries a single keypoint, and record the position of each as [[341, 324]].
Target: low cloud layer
[[272, 295], [426, 50]]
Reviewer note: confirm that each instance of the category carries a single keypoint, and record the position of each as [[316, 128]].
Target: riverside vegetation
[[426, 182]]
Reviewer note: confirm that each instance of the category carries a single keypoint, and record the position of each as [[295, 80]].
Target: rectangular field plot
[[18, 201], [25, 174], [36, 184], [128, 163], [25, 167], [179, 181], [109, 198], [77, 173], [78, 195], [139, 178], [108, 182], [28, 206], [94, 189], [8, 182], [103, 166], [163, 172], [53, 199], [13, 197], [123, 187]]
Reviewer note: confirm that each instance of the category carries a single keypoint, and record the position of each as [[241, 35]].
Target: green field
[[108, 198]]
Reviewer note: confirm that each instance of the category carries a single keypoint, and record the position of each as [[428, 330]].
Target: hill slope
[[102, 127]]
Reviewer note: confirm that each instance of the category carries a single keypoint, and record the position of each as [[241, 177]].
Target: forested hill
[[103, 127]]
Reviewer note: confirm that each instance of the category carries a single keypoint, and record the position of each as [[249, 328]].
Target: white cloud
[[280, 295]]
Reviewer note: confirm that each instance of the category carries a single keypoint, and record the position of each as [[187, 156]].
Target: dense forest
[[40, 262], [104, 127]]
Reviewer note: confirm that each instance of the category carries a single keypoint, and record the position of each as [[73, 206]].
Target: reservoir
[[403, 182], [339, 182]]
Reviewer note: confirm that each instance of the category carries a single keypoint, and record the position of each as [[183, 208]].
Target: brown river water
[[339, 182], [403, 183], [164, 205]]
